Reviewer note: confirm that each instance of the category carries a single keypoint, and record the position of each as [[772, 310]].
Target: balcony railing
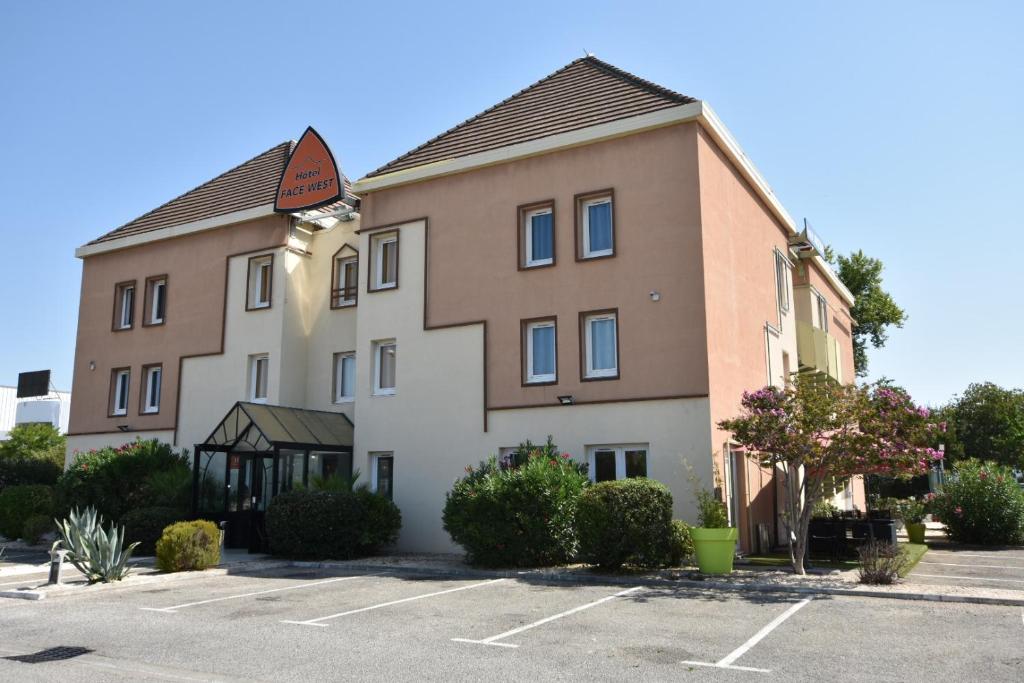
[[344, 296], [818, 351]]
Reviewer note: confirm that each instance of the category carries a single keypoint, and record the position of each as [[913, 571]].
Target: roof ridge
[[650, 86], [290, 143]]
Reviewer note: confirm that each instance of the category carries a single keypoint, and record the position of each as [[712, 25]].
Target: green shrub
[[711, 512], [680, 545], [188, 546], [18, 503], [116, 480], [31, 454], [625, 522], [335, 524], [146, 526], [36, 527], [981, 503], [517, 516]]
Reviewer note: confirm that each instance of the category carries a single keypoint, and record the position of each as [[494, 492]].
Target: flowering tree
[[819, 433]]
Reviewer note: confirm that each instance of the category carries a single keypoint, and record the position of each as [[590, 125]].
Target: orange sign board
[[310, 178]]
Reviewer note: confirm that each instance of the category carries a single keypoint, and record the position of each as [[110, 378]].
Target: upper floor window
[[345, 279], [595, 225], [608, 463], [153, 377], [259, 370], [782, 281], [383, 261], [260, 282], [540, 343], [537, 235], [822, 305], [120, 378], [344, 377], [156, 300], [124, 305], [385, 358], [600, 338]]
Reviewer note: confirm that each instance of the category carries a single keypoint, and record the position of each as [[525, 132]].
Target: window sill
[[596, 256], [537, 264], [344, 400], [598, 378], [539, 382], [257, 400]]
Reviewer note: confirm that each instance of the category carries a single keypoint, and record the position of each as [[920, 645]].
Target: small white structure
[[53, 408]]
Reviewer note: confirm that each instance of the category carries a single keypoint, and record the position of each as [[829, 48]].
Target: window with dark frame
[[540, 357], [385, 363], [156, 300], [384, 475], [600, 345], [595, 226], [383, 261], [537, 235], [345, 287], [121, 380], [124, 306], [153, 378], [260, 282]]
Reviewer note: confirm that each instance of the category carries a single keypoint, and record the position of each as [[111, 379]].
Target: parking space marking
[[980, 566], [727, 661], [501, 636], [965, 578], [174, 608], [316, 622]]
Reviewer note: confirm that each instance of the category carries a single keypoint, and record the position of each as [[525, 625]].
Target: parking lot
[[315, 625], [951, 565]]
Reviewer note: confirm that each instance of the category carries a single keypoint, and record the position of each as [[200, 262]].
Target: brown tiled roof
[[584, 93]]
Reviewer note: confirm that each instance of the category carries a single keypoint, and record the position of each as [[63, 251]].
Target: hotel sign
[[310, 178]]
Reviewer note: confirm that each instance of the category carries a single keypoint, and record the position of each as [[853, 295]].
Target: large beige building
[[593, 258]]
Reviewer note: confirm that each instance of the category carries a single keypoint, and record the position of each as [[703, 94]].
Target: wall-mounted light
[[92, 365], [655, 295], [567, 400], [124, 428]]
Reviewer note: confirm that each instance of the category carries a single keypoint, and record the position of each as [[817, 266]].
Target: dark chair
[[825, 537]]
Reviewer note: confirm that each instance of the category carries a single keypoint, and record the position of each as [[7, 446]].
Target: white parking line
[[175, 608], [316, 622], [727, 661], [967, 578], [989, 556], [980, 566], [501, 636]]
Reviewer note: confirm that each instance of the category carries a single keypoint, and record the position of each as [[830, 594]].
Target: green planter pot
[[715, 549], [915, 532]]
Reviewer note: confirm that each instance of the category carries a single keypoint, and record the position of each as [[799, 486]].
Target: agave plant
[[100, 555]]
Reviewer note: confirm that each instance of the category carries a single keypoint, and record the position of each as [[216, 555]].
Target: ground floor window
[[608, 463], [382, 474]]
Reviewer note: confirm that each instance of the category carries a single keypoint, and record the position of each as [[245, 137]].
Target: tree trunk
[[797, 536]]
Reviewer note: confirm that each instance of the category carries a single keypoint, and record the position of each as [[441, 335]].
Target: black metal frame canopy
[[261, 429]]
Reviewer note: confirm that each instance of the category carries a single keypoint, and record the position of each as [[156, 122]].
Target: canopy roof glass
[[261, 428]]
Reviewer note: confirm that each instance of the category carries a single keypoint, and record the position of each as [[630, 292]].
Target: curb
[[23, 595], [561, 577]]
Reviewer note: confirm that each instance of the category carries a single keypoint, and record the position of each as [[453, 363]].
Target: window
[[261, 280], [156, 300], [345, 288], [540, 343], [119, 391], [152, 375], [384, 359], [599, 335], [124, 305], [608, 463], [822, 306], [259, 368], [384, 262], [382, 469], [537, 235], [595, 225], [782, 281], [344, 377]]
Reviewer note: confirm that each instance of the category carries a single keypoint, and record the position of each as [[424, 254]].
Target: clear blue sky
[[895, 127]]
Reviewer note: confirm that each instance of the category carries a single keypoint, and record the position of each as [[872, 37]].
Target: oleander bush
[[981, 503], [331, 524], [146, 525], [135, 475], [521, 513], [625, 522], [188, 546], [18, 503]]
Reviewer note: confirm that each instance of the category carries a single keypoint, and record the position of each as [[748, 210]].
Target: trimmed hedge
[[626, 522], [336, 525], [18, 503], [981, 503], [680, 544], [36, 527], [188, 546], [520, 516], [146, 525]]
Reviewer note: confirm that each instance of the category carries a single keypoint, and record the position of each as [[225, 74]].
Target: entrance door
[[250, 477]]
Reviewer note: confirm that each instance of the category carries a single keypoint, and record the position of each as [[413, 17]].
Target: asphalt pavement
[[313, 625]]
